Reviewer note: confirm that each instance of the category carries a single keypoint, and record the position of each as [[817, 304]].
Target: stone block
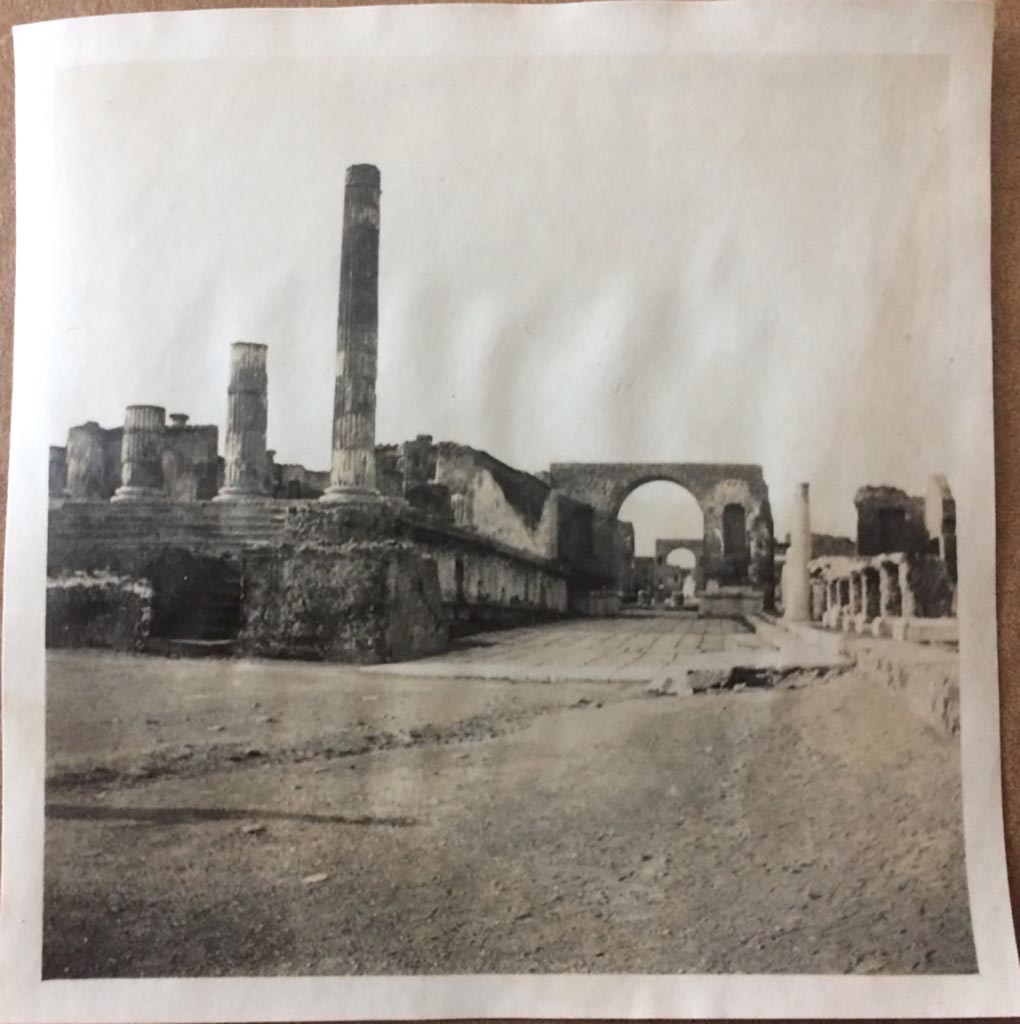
[[927, 631], [365, 602]]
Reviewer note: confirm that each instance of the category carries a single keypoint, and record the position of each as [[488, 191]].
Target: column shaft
[[141, 454], [796, 585], [244, 448], [352, 473]]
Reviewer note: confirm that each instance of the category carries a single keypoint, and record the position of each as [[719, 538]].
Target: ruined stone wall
[[575, 536], [58, 474], [889, 521], [97, 609], [625, 545], [368, 602], [417, 461], [296, 482], [475, 583], [93, 462], [191, 462], [504, 504], [828, 544], [399, 470], [389, 476], [283, 566]]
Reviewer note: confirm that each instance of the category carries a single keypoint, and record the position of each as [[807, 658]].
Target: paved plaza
[[635, 647]]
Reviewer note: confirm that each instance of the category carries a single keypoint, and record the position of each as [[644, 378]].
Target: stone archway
[[715, 486], [666, 546]]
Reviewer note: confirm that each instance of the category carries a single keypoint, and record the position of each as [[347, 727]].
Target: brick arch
[[606, 485]]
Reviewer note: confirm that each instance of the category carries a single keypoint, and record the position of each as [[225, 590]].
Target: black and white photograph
[[503, 480]]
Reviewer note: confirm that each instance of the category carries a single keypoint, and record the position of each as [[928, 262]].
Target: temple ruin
[[161, 540]]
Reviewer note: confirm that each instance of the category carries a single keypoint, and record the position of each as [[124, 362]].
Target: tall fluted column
[[796, 585], [141, 454], [352, 474], [244, 448]]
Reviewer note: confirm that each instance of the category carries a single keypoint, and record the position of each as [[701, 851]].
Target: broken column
[[796, 585], [244, 448], [352, 474], [141, 454], [87, 477]]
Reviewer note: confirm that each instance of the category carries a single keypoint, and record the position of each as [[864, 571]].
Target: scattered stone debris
[[254, 829], [670, 686]]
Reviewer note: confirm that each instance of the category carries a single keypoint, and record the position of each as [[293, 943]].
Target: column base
[[139, 494], [352, 496], [240, 495]]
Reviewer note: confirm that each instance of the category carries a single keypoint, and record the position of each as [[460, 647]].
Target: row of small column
[[879, 591]]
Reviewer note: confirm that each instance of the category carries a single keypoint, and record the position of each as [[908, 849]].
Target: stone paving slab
[[623, 649]]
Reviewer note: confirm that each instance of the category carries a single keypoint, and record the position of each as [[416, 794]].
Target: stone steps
[[168, 523]]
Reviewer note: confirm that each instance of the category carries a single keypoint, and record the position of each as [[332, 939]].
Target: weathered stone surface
[[97, 609], [366, 602], [889, 520], [190, 460], [503, 503], [927, 677], [141, 461], [247, 417], [58, 472], [353, 465], [93, 462], [674, 685], [926, 631]]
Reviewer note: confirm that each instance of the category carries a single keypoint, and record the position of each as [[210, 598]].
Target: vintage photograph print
[[503, 515]]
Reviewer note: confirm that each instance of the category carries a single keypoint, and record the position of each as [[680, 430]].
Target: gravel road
[[272, 818]]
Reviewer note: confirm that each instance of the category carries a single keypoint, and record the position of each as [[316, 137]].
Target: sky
[[696, 259]]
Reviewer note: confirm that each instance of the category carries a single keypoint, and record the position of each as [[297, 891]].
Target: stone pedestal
[[244, 448], [352, 473], [796, 585], [141, 454]]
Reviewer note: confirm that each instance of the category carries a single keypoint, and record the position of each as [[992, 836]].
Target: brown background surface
[[1005, 257]]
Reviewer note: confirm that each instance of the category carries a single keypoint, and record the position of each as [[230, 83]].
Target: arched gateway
[[734, 500]]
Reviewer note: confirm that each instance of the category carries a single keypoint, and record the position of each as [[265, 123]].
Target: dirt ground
[[226, 818]]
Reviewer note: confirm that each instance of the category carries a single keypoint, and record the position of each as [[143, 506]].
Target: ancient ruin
[[157, 541]]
